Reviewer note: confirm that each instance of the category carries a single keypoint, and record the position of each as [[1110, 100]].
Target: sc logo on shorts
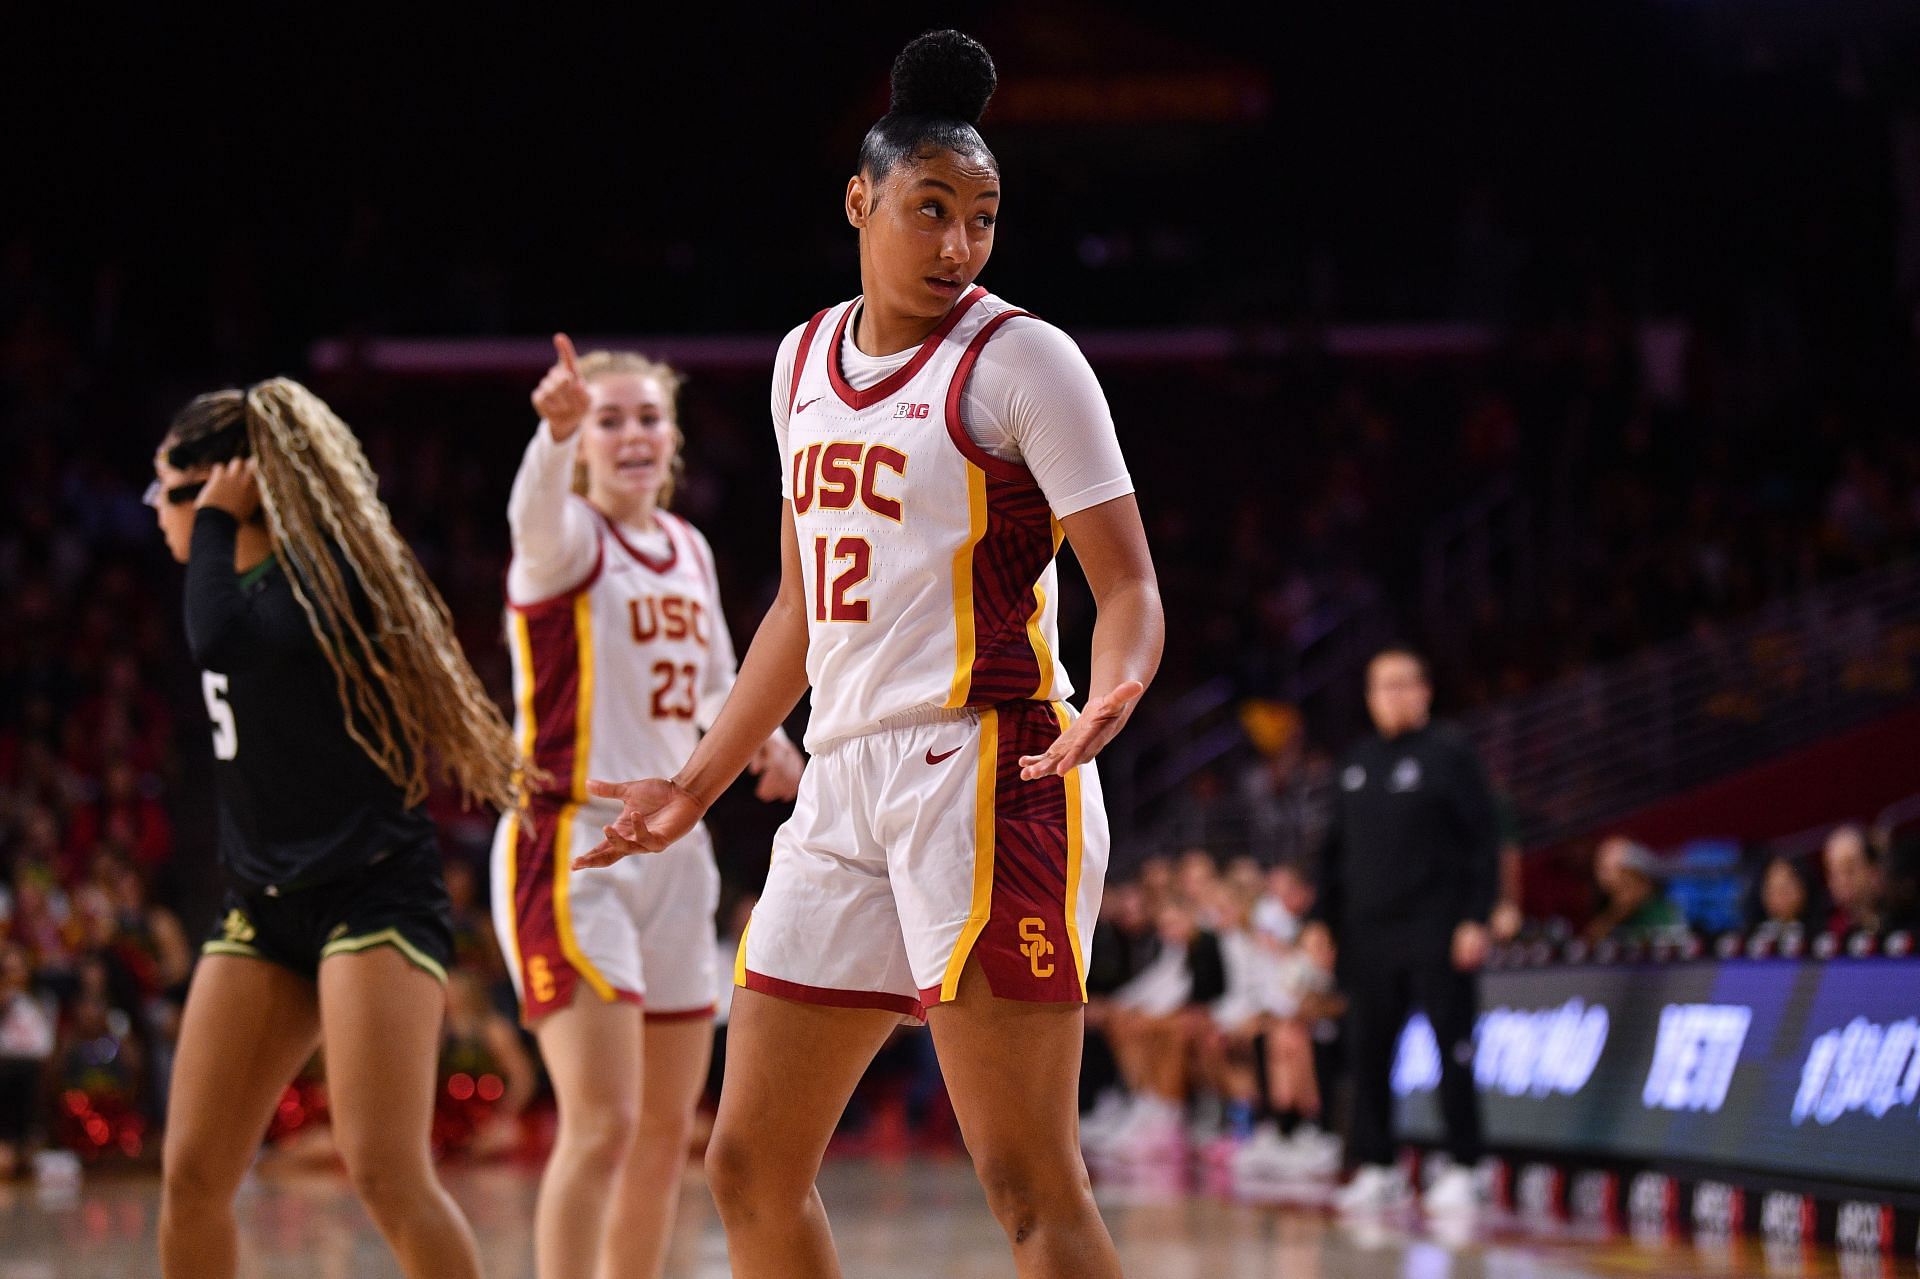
[[1035, 946], [540, 978]]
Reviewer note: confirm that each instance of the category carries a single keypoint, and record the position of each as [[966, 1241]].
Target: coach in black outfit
[[1409, 876]]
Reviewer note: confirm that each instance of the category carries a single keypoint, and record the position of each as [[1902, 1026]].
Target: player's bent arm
[[772, 680], [1129, 629]]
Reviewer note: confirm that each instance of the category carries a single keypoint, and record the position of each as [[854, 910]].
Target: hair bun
[[944, 74]]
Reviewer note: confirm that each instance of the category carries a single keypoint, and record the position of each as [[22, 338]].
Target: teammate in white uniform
[[621, 657], [946, 854]]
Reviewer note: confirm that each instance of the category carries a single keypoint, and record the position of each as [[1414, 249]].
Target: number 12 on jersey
[[832, 604]]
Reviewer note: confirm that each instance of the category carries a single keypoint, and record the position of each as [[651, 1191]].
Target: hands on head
[[562, 398], [233, 487]]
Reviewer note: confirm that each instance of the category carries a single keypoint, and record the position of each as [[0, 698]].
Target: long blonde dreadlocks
[[405, 686]]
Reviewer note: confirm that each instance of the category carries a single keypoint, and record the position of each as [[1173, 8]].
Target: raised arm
[[554, 538], [659, 811], [228, 625]]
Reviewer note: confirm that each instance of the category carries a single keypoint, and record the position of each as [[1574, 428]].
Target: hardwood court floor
[[923, 1218]]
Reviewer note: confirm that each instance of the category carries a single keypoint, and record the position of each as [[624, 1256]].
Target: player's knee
[[1025, 1191], [600, 1134], [745, 1174], [663, 1139], [192, 1184], [385, 1180]]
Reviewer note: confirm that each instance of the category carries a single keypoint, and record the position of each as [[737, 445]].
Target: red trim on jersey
[[891, 384], [641, 557], [800, 360], [701, 555], [553, 660], [1008, 561], [999, 468], [1021, 958], [801, 993], [572, 592], [684, 1014], [544, 966]]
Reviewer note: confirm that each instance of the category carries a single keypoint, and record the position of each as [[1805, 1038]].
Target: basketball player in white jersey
[[621, 657], [947, 851]]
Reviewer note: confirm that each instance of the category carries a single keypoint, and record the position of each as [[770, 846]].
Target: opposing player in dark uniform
[[331, 676]]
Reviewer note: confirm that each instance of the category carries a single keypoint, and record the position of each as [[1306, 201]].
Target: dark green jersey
[[300, 802]]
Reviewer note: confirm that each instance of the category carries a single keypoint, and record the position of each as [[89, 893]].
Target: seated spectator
[[1853, 881], [101, 1067], [27, 1025], [124, 816], [1284, 905], [1151, 1024], [1197, 886], [1636, 909], [1784, 899], [1900, 892], [39, 913], [1156, 881], [1257, 1051]]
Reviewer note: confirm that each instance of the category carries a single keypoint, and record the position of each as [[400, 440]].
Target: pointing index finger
[[564, 346]]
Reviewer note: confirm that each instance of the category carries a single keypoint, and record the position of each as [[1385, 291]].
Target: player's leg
[[997, 895], [248, 1026], [672, 896], [1013, 1069], [821, 980], [791, 1067], [640, 1222], [592, 1051], [572, 945], [380, 1015]]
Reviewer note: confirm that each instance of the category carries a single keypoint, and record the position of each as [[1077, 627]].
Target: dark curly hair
[[942, 82]]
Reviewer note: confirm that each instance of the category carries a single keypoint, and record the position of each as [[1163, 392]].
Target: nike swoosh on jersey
[[935, 759], [802, 408]]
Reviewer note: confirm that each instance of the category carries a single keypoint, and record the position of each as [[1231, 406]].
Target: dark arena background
[[1576, 345]]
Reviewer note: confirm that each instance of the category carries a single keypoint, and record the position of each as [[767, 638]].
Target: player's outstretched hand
[[654, 814], [777, 764], [232, 487], [1086, 736], [562, 398]]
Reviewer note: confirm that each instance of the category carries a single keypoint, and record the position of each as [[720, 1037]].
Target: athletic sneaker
[[1312, 1153], [1153, 1133], [1452, 1194], [1375, 1188], [1263, 1156], [1108, 1113]]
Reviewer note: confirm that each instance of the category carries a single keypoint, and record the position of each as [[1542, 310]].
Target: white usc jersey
[[610, 679], [929, 563]]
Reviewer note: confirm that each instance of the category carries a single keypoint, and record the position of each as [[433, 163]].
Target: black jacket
[[1414, 838]]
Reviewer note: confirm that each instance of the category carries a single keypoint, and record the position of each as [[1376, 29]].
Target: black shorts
[[398, 900]]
